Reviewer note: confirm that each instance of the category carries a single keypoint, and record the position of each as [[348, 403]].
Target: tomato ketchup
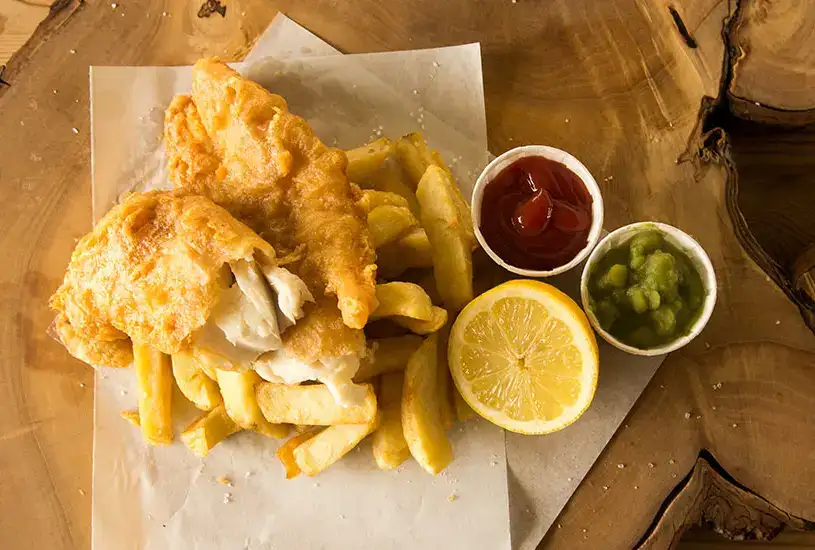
[[536, 214]]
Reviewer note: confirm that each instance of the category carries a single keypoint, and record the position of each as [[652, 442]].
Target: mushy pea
[[646, 292]]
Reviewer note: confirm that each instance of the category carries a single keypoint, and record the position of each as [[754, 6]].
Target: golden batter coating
[[274, 165], [107, 353], [152, 269], [236, 143]]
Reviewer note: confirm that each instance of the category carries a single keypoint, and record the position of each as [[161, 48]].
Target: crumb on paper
[[436, 64], [651, 465], [114, 5], [82, 384], [620, 465], [452, 497], [72, 51], [559, 526], [316, 484], [248, 474], [687, 416], [717, 386], [75, 130], [227, 498], [569, 479], [122, 392], [341, 516], [224, 480], [735, 425], [605, 487]]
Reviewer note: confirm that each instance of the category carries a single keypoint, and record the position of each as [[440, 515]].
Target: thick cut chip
[[447, 229], [371, 199], [313, 405], [330, 445], [194, 383], [389, 445], [403, 300], [388, 223], [364, 161], [421, 417], [387, 355], [238, 391], [285, 453], [208, 430], [437, 320], [411, 251], [154, 376]]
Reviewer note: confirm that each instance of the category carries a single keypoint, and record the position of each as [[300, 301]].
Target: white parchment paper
[[162, 498]]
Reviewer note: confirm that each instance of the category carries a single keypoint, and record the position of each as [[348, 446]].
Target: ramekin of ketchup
[[537, 211]]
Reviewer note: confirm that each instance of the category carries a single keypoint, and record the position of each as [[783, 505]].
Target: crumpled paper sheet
[[167, 498], [162, 498]]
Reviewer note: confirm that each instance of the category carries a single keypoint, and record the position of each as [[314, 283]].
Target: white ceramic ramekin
[[680, 240], [557, 155]]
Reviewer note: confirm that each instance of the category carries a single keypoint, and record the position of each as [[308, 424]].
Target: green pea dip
[[646, 292]]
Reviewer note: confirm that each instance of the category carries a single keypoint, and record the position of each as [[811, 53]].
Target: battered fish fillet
[[238, 144], [155, 269]]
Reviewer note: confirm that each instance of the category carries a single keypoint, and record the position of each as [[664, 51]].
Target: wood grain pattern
[[18, 19], [613, 82], [774, 65]]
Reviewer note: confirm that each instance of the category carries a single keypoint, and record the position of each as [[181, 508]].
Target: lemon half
[[524, 356]]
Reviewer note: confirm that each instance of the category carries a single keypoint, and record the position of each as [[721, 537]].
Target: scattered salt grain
[[75, 130], [227, 498], [687, 416], [620, 465]]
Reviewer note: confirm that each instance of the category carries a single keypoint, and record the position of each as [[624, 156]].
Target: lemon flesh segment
[[524, 357]]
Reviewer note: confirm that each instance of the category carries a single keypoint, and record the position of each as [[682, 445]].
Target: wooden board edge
[[709, 497]]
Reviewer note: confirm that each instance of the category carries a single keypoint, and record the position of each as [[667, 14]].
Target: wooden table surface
[[638, 89]]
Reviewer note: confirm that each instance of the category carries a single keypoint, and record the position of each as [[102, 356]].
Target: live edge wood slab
[[637, 89]]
